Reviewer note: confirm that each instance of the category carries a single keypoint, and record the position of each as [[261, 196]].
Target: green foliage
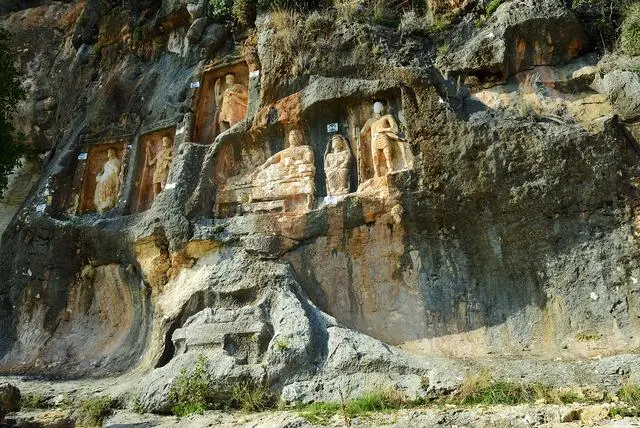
[[319, 413], [96, 410], [630, 32], [33, 401], [443, 49], [375, 401], [251, 398], [481, 389], [492, 6], [238, 11], [602, 18], [136, 405], [11, 93], [190, 392], [281, 344]]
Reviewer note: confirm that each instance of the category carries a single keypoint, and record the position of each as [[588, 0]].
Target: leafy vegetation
[[33, 401], [630, 32], [492, 6], [95, 410], [191, 391], [602, 18], [11, 93], [375, 401]]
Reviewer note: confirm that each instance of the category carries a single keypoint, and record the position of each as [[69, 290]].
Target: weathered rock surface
[[9, 399], [520, 34], [505, 231], [622, 88]]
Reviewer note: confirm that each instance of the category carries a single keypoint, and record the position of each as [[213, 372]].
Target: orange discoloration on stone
[[288, 109]]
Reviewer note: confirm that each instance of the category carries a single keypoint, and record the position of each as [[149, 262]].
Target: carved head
[[295, 138], [378, 107], [166, 142], [338, 143], [111, 153], [230, 79]]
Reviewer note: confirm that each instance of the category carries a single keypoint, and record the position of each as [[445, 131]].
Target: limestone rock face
[[519, 35], [482, 204], [622, 88]]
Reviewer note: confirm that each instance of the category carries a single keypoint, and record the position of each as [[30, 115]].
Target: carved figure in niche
[[337, 165], [233, 101], [108, 183], [384, 134], [162, 162], [288, 174]]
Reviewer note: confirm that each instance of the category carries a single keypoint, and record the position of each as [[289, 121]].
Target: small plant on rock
[[33, 401], [190, 392], [630, 31], [252, 398], [95, 410]]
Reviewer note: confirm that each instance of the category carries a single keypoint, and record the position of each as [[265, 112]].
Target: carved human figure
[[384, 134], [108, 183], [288, 173], [337, 165], [232, 101], [162, 163]]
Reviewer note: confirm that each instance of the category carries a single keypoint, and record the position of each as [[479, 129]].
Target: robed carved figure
[[232, 100], [108, 183], [162, 163], [337, 165]]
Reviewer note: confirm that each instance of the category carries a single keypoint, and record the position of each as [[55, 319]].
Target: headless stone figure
[[162, 162], [384, 134]]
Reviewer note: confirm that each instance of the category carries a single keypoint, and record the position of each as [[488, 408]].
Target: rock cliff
[[489, 203]]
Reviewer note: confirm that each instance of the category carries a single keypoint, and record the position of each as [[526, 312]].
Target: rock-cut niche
[[155, 156], [223, 100], [99, 176]]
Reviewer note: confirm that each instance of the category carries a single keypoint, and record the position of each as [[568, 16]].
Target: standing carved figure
[[384, 134], [108, 183], [337, 165], [232, 102], [162, 162]]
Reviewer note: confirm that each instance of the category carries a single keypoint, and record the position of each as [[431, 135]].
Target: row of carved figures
[[288, 173], [108, 178], [232, 99]]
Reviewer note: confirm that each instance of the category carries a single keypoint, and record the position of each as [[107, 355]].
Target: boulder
[[9, 399], [622, 88]]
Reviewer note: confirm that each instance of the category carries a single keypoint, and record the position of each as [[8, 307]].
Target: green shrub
[[95, 410], [33, 401], [190, 392], [492, 6], [630, 31], [252, 398]]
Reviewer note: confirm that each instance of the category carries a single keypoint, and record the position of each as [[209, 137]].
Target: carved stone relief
[[154, 162], [102, 180], [222, 101], [284, 183], [337, 165]]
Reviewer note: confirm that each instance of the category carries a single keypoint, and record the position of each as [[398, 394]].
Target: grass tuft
[[95, 410]]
